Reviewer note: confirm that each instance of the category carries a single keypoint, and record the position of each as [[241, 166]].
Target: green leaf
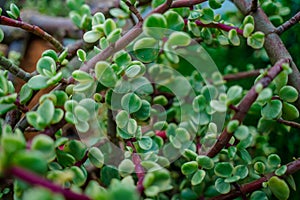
[[232, 179], [131, 102], [98, 18], [118, 13], [198, 177], [50, 53], [215, 4], [274, 160], [281, 170], [248, 29], [105, 74], [109, 26], [108, 173], [146, 49], [11, 143], [82, 126], [55, 79], [256, 40], [221, 186], [265, 95], [65, 159], [75, 148], [45, 145], [132, 126], [241, 132], [38, 82], [33, 161], [207, 16], [279, 188], [14, 11], [232, 126], [1, 35], [155, 26], [122, 58], [272, 110], [218, 106], [289, 111], [259, 167], [281, 80], [122, 119], [241, 171], [81, 113], [96, 157], [46, 111], [126, 167], [258, 195], [288, 93], [9, 99], [79, 177], [234, 94], [114, 35], [223, 169], [144, 112], [174, 21], [46, 66], [92, 36], [145, 143], [82, 76], [179, 39], [233, 37], [189, 167], [25, 94]]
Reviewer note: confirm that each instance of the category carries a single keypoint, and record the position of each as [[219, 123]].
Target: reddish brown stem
[[245, 105], [288, 24], [241, 75], [32, 29], [140, 172], [35, 179], [289, 123]]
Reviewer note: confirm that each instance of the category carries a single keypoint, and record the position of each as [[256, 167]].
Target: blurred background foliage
[[229, 59]]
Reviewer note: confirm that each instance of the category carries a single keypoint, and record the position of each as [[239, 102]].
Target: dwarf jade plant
[[144, 102]]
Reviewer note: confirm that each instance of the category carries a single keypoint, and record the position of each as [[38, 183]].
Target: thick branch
[[33, 29], [34, 179], [14, 69], [274, 46], [245, 105], [257, 184], [288, 24]]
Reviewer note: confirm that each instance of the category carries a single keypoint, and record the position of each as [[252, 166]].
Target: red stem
[[33, 29], [140, 172], [221, 26], [34, 179]]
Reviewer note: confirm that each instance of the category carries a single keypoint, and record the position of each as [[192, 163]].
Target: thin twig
[[33, 29], [289, 123], [245, 105], [14, 69], [288, 24], [34, 179], [133, 9], [292, 167], [221, 26], [241, 75]]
